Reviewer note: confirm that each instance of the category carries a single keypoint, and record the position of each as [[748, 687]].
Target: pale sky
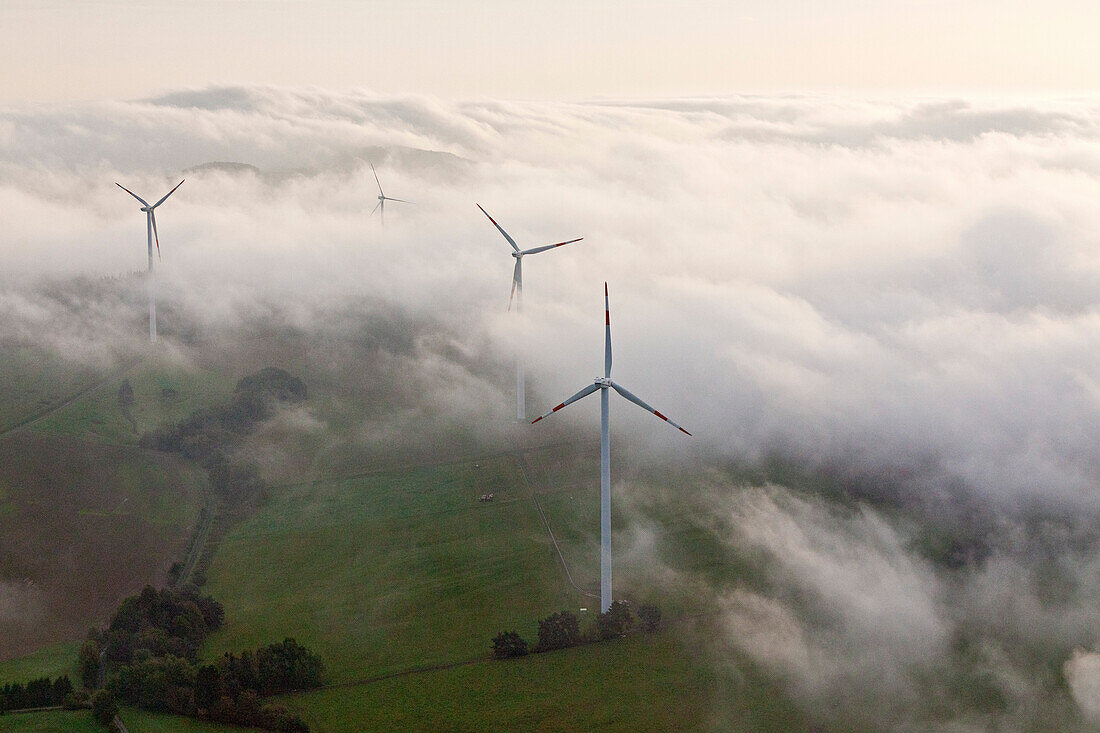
[[567, 49]]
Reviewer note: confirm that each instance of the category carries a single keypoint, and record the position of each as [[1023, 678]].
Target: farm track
[[36, 416], [199, 544], [525, 469]]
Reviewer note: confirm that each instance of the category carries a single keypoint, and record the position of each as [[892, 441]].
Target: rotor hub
[[603, 382]]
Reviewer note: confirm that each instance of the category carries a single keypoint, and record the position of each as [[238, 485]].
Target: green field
[[52, 721], [611, 686], [141, 721], [34, 380], [383, 573], [81, 721], [51, 661], [163, 393]]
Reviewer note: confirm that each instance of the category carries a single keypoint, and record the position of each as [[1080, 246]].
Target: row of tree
[[38, 693], [211, 431], [228, 691], [562, 630], [151, 652]]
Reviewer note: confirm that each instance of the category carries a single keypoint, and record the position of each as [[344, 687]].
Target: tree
[[208, 687], [509, 644], [615, 622], [650, 616], [39, 693], [89, 664], [62, 686], [125, 393], [287, 666], [558, 631], [104, 707]]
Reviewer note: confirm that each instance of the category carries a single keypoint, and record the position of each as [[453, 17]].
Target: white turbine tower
[[603, 384], [380, 207], [517, 293], [151, 231]]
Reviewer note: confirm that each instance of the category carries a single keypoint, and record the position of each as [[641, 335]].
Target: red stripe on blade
[[659, 415], [558, 407], [536, 419]]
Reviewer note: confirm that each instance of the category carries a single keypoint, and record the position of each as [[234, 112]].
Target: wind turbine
[[382, 198], [517, 293], [151, 231], [603, 384]]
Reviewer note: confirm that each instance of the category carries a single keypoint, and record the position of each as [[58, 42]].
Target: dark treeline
[[228, 691], [210, 434], [39, 693], [562, 630], [151, 652], [171, 621]]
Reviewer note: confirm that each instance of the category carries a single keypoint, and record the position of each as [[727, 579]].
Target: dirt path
[[525, 469]]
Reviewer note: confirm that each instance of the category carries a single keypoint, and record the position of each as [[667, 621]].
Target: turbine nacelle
[[602, 382]]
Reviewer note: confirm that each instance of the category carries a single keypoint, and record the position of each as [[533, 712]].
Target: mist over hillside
[[893, 295]]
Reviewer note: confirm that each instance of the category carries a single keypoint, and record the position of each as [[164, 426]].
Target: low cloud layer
[[907, 281]]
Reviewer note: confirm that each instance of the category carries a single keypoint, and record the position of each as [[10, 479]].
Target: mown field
[[384, 572], [82, 525]]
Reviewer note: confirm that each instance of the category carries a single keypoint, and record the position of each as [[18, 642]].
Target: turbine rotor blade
[[372, 170], [545, 247], [400, 201], [607, 334], [167, 195], [515, 281], [640, 403], [139, 198], [583, 393], [156, 237], [500, 229], [376, 207]]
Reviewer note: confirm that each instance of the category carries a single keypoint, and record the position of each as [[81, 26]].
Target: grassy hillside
[[50, 661], [163, 393], [384, 561], [34, 380], [384, 572]]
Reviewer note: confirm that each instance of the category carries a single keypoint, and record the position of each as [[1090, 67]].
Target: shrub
[[104, 707], [509, 644], [558, 631], [650, 617], [615, 622]]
